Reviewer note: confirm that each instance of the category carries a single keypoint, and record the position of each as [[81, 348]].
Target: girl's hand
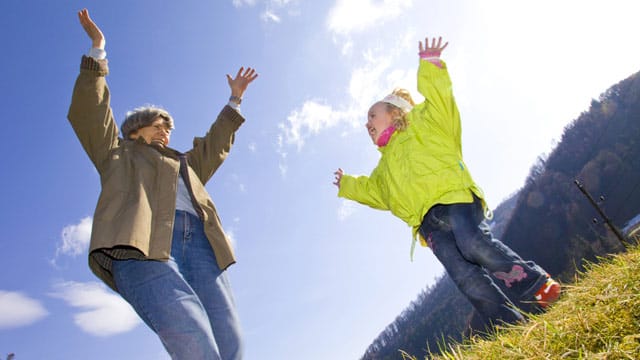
[[432, 51], [96, 36], [338, 175], [242, 80]]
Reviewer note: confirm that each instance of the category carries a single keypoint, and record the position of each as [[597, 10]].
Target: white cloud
[[236, 181], [283, 167], [310, 119], [368, 83], [281, 3], [103, 313], [347, 48], [231, 235], [272, 8], [280, 149], [378, 75], [17, 309], [269, 15], [253, 147], [375, 77], [347, 208], [348, 16], [241, 3], [75, 238]]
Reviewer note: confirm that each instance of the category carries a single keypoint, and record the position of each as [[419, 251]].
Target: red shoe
[[548, 293]]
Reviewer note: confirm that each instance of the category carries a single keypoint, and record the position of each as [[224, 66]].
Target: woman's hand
[[96, 36], [242, 80], [432, 51], [338, 175]]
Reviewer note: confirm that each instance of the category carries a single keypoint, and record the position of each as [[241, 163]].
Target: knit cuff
[[91, 64], [234, 116]]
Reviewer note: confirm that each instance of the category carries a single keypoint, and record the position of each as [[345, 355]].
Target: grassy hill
[[596, 318]]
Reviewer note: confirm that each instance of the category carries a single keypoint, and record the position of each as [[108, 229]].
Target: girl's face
[[378, 120]]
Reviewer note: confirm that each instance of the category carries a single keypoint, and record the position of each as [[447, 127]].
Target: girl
[[422, 179]]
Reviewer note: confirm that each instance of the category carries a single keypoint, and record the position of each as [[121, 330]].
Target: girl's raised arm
[[432, 53]]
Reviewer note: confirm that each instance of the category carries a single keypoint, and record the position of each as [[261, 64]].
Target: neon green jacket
[[421, 166]]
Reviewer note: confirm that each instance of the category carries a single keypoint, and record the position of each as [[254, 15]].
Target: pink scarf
[[385, 136]]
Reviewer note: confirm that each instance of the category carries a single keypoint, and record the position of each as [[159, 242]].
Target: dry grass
[[597, 318]]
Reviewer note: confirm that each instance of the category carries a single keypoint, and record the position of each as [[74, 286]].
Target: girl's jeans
[[461, 239], [186, 300]]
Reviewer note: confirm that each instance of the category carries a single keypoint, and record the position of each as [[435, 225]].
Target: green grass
[[597, 318]]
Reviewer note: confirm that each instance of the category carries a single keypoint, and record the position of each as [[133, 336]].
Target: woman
[[156, 237]]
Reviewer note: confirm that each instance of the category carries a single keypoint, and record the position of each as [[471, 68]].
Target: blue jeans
[[461, 239], [186, 300]]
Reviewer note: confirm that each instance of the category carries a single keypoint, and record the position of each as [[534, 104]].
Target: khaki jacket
[[136, 208]]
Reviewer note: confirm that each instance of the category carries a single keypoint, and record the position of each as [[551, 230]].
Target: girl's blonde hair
[[400, 116]]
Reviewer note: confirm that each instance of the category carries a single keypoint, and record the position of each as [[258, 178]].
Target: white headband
[[398, 101]]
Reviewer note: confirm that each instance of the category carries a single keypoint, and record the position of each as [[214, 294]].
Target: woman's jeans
[[461, 239], [186, 300]]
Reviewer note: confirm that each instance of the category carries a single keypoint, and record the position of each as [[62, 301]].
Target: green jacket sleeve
[[362, 189], [90, 114], [210, 151], [440, 106]]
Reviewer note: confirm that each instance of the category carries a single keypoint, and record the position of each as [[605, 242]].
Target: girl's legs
[[472, 280], [476, 243], [462, 241]]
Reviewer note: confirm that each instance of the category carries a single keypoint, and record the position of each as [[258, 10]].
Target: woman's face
[[157, 132], [378, 120]]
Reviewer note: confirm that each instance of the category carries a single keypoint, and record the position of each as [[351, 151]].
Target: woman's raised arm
[[94, 32]]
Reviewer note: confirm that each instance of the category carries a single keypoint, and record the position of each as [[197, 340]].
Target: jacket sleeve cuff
[[346, 182], [101, 67], [232, 115]]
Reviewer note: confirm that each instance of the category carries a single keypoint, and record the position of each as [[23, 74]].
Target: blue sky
[[317, 277]]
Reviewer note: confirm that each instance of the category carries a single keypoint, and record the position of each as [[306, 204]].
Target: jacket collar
[[164, 150], [396, 134]]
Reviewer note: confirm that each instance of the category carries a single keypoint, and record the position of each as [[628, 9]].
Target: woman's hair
[[144, 116], [400, 116]]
